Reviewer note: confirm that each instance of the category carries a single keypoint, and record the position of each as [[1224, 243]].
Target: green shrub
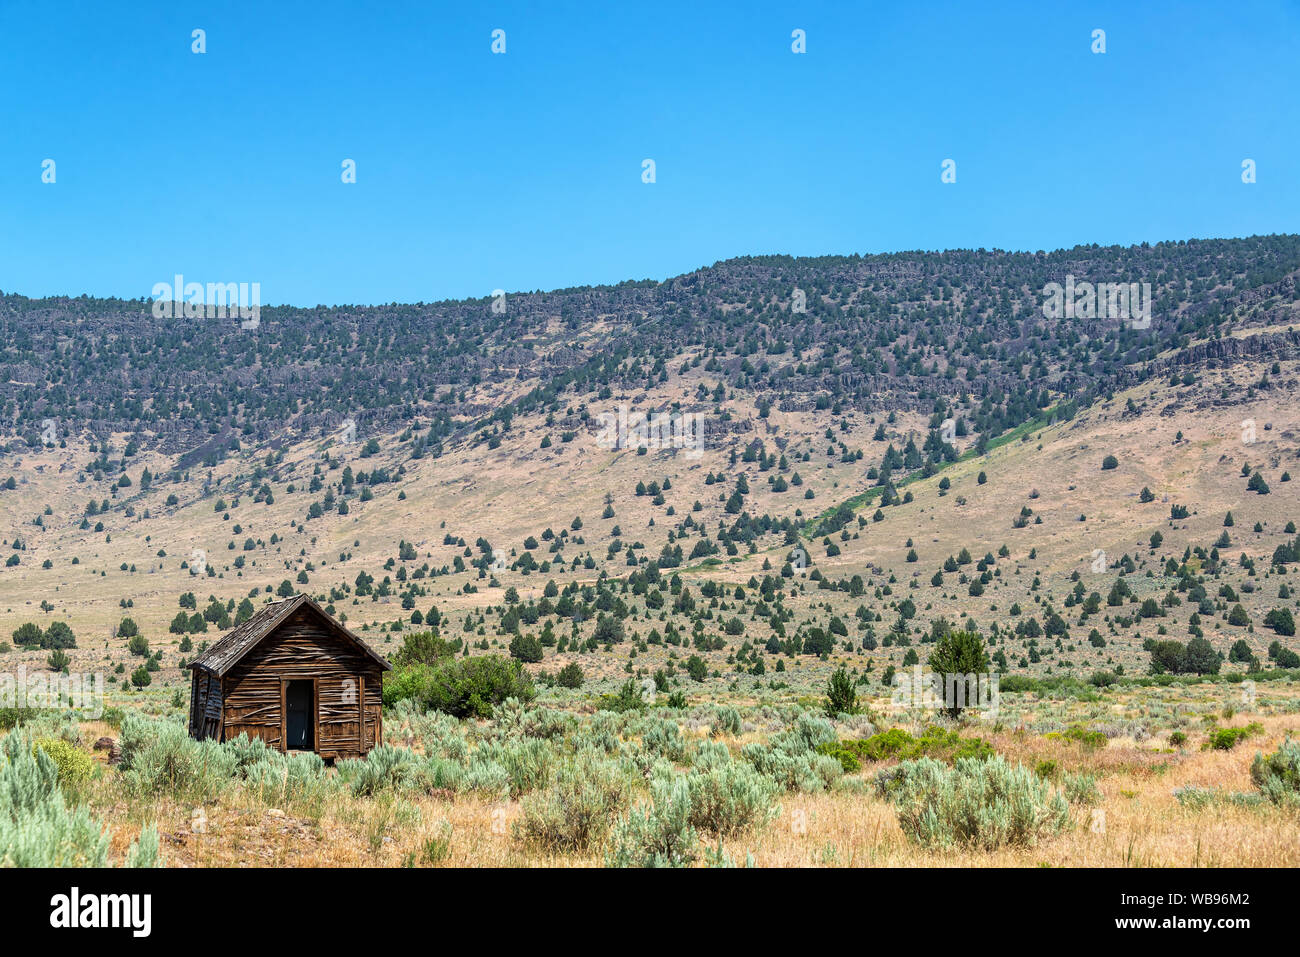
[[160, 758], [664, 739], [976, 803], [527, 762], [807, 733], [728, 720], [1194, 797], [887, 744], [570, 676], [249, 751], [657, 834], [423, 648], [37, 828], [802, 771], [573, 814], [1091, 740], [628, 698], [75, 766], [485, 775], [526, 648], [144, 849], [793, 757], [1082, 789], [439, 732], [841, 695], [464, 687], [1278, 775], [848, 760], [935, 742], [383, 769], [730, 798], [710, 754], [1225, 739], [278, 779], [12, 717], [959, 653]]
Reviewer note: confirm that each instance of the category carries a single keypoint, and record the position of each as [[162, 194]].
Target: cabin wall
[[205, 705], [348, 684], [196, 701]]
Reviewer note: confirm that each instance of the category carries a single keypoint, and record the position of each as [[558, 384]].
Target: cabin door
[[300, 716]]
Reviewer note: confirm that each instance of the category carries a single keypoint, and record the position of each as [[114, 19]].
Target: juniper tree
[[841, 696], [959, 653]]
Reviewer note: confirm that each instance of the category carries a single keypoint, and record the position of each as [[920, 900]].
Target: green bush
[[710, 754], [1091, 740], [527, 762], [658, 834], [628, 698], [730, 798], [526, 648], [1194, 797], [887, 744], [160, 758], [383, 769], [664, 739], [574, 813], [37, 828], [936, 742], [841, 695], [438, 774], [75, 766], [464, 687], [728, 720], [1225, 739], [795, 771], [848, 760], [570, 676], [1082, 789], [793, 758], [278, 779], [12, 717], [959, 653], [1278, 775], [983, 804], [424, 648]]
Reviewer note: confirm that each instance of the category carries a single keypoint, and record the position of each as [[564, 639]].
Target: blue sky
[[522, 171]]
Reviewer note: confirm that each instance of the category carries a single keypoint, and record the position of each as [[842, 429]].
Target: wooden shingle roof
[[241, 639]]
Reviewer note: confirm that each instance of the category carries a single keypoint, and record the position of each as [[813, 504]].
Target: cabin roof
[[241, 639]]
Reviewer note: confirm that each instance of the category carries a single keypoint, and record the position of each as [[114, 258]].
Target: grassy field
[[494, 793]]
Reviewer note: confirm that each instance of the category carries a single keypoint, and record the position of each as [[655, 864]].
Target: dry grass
[[1138, 822]]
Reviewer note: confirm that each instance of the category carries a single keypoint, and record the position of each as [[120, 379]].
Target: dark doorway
[[300, 714]]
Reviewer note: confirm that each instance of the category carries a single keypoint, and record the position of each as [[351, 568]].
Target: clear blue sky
[[523, 171]]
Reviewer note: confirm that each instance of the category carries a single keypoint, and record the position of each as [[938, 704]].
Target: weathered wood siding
[[205, 706], [196, 701], [348, 685]]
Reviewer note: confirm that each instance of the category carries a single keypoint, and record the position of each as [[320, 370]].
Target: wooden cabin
[[294, 677]]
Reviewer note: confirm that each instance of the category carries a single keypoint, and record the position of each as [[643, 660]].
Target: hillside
[[449, 456]]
